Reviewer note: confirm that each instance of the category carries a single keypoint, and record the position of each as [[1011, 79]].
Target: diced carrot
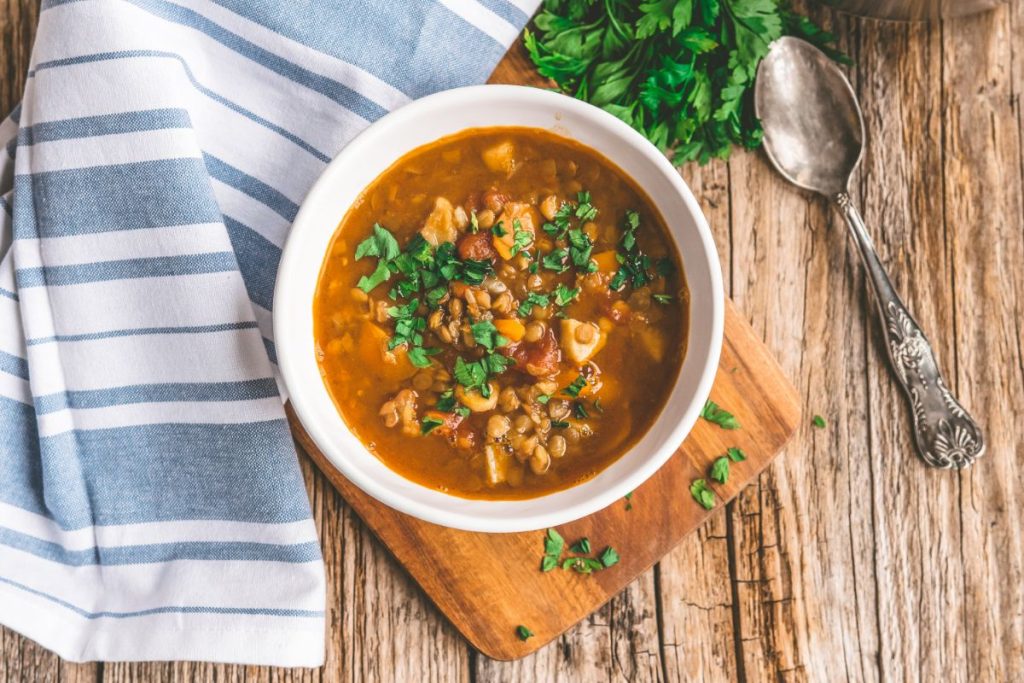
[[606, 261], [511, 329], [503, 248], [458, 288]]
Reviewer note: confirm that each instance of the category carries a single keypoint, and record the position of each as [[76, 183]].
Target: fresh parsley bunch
[[679, 71]]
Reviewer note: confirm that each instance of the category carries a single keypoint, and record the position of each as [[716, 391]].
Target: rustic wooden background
[[847, 559]]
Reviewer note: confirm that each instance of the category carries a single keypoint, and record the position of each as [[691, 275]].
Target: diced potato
[[652, 341], [581, 341], [511, 329], [501, 158], [529, 219], [476, 401], [390, 365], [440, 224]]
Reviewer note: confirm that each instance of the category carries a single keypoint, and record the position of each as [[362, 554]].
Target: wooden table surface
[[848, 559]]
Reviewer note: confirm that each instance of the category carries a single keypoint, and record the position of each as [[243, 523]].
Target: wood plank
[[985, 226], [801, 583], [917, 528]]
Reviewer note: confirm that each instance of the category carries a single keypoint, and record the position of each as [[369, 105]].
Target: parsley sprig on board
[[679, 71]]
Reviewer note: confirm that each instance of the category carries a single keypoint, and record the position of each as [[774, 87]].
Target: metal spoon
[[814, 135]]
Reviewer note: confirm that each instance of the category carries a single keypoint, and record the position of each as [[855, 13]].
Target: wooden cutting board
[[488, 584]]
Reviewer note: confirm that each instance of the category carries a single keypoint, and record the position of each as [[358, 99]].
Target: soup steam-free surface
[[530, 332]]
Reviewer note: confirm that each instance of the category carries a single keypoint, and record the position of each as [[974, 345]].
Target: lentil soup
[[501, 314]]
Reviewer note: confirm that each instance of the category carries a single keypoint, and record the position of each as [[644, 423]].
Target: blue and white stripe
[[151, 504]]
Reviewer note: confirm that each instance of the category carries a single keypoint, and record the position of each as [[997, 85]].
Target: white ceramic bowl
[[372, 152]]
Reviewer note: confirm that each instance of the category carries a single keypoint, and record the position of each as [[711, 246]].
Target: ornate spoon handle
[[945, 434]]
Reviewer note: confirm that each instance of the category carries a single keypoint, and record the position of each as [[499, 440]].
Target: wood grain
[[847, 560], [488, 584]]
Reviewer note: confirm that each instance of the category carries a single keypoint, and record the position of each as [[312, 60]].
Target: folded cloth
[[151, 503]]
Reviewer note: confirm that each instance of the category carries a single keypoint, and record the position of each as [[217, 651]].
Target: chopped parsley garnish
[[720, 470], [564, 295], [475, 375], [420, 357], [634, 265], [446, 401], [521, 239], [499, 229], [543, 399], [585, 211], [662, 298], [560, 225], [736, 454], [581, 547], [556, 260], [609, 557], [629, 230], [818, 422], [381, 244], [486, 335], [559, 424], [576, 387], [523, 632], [723, 418], [702, 494], [580, 248], [629, 501], [533, 299], [474, 223], [554, 544], [379, 276], [664, 266], [429, 424], [579, 411]]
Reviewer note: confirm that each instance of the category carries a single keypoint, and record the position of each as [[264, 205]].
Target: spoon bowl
[[814, 132]]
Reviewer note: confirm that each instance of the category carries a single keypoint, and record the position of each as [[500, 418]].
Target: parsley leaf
[[702, 494], [499, 229], [662, 298], [564, 295], [533, 299], [736, 454], [609, 557], [818, 422], [576, 387], [720, 470], [553, 543], [429, 424], [723, 418], [581, 547], [523, 632], [381, 244], [486, 335]]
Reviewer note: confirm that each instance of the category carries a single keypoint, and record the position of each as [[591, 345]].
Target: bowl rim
[[290, 262]]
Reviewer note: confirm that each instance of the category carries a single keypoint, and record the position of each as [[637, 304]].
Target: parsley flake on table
[[581, 547], [723, 418], [736, 454], [702, 494], [629, 501], [720, 470], [818, 422], [609, 557], [523, 632], [681, 72]]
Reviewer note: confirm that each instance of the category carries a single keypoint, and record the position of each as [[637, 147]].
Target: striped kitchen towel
[[151, 504]]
